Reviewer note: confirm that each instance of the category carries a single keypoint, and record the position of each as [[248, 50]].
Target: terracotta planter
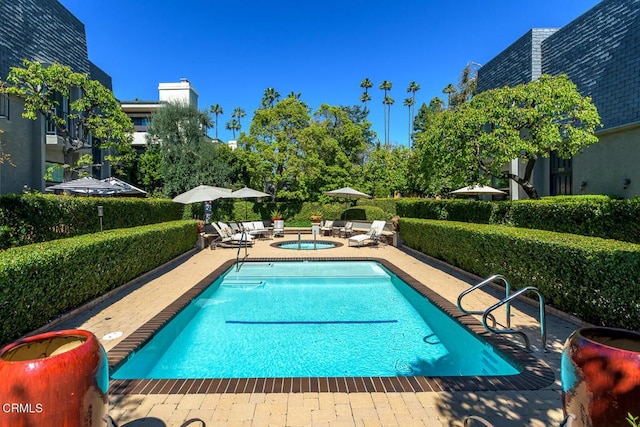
[[600, 370], [54, 379], [315, 218]]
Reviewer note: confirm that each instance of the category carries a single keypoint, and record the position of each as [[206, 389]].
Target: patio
[[128, 309]]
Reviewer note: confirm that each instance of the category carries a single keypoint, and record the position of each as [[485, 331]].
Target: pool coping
[[536, 374], [335, 244]]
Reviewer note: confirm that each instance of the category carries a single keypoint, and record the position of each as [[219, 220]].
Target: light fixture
[[626, 183]]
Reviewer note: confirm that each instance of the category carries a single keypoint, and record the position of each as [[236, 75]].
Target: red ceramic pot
[[600, 370], [54, 379]]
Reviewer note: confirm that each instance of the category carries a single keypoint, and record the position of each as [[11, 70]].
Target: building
[[43, 31], [140, 112], [600, 53]]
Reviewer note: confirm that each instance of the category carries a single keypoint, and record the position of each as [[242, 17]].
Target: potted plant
[[59, 378], [276, 214], [600, 369], [316, 217]]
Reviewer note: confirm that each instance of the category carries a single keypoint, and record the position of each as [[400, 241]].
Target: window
[[4, 106]]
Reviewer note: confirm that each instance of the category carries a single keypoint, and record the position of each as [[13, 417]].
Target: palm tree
[[233, 125], [409, 102], [386, 86], [217, 110], [388, 102], [270, 97], [238, 113], [366, 84], [449, 90], [294, 95], [413, 88]]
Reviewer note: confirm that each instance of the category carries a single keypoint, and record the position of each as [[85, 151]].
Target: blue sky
[[231, 51]]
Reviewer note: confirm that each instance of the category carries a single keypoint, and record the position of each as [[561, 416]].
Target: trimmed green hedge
[[596, 279], [32, 218], [597, 216], [43, 280]]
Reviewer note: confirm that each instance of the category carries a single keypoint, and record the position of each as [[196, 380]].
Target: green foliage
[[594, 279], [188, 158], [44, 280], [596, 216], [522, 122], [96, 114], [32, 218]]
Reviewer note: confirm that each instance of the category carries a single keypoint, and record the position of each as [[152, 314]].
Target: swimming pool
[[306, 245], [300, 319], [534, 374]]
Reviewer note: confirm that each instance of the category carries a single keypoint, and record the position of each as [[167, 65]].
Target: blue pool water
[[312, 319], [306, 245]]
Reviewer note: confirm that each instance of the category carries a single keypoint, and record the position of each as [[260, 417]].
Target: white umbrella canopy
[[248, 193], [348, 193], [478, 190], [202, 193]]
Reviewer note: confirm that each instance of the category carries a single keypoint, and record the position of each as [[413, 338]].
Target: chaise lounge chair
[[373, 234], [227, 238]]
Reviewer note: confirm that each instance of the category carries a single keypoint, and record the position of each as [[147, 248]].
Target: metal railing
[[482, 284], [543, 322], [243, 239], [506, 301]]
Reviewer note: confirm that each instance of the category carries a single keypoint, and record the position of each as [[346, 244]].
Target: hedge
[[596, 279], [42, 280], [32, 218], [596, 216]]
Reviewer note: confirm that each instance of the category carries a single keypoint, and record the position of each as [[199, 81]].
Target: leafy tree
[[524, 122], [188, 157], [217, 111], [83, 112], [272, 148], [386, 171]]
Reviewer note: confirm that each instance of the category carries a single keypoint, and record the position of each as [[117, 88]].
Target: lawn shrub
[[43, 280], [596, 279], [596, 216], [32, 218], [388, 206]]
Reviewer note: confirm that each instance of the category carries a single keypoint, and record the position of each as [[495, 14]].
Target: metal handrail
[[543, 322], [243, 238], [481, 284]]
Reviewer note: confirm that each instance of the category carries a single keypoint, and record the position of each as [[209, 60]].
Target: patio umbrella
[[202, 193], [478, 190], [87, 185], [124, 187], [248, 193], [348, 193]]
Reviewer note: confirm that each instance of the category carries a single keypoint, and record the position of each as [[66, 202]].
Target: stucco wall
[[605, 165]]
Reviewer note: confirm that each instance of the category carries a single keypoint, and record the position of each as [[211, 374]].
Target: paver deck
[[129, 309]]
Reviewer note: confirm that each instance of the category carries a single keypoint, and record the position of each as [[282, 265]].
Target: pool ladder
[[506, 301], [243, 238]]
